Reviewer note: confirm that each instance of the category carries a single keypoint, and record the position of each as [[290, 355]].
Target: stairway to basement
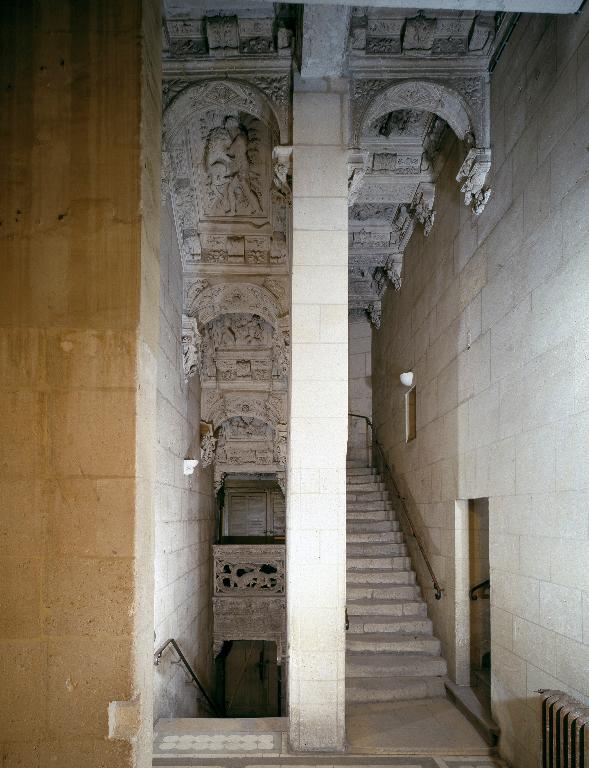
[[391, 652]]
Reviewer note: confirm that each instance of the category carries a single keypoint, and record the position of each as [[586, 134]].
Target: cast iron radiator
[[565, 731]]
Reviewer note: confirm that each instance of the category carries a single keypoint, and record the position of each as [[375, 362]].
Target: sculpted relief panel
[[235, 176], [229, 184], [226, 175]]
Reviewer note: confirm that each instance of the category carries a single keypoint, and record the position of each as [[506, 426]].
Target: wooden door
[[251, 680]]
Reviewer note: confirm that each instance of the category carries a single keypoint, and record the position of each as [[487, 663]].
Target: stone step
[[365, 482], [373, 526], [394, 665], [375, 516], [356, 470], [399, 563], [371, 537], [368, 486], [393, 689], [380, 592], [366, 497], [388, 642], [388, 607], [397, 625], [380, 577], [376, 549], [368, 507]]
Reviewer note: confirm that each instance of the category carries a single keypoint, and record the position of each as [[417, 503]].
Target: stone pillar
[[316, 509], [79, 286]]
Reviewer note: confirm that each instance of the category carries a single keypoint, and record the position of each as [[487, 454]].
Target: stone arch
[[230, 298], [271, 409], [428, 97], [220, 93]]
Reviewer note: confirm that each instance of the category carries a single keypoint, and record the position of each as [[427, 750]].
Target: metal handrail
[[482, 585], [437, 589], [157, 655]]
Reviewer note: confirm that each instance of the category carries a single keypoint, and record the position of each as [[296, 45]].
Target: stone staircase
[[391, 652]]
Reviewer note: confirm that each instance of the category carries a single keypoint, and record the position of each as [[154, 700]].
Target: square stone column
[[316, 505]]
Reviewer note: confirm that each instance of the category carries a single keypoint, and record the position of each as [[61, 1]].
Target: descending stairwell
[[391, 652]]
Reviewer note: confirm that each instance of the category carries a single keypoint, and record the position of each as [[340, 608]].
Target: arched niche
[[219, 169], [226, 298], [214, 94], [424, 96], [268, 408]]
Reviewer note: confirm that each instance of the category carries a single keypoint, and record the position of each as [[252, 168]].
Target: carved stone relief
[[375, 32], [233, 168], [400, 125], [191, 347]]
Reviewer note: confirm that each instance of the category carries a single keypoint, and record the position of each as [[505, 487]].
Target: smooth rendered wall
[[493, 318], [80, 133], [184, 508]]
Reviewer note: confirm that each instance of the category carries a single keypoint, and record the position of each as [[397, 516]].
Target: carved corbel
[[282, 170], [393, 272], [357, 168], [404, 223], [207, 445], [191, 347], [374, 314], [281, 480], [473, 175], [423, 206]]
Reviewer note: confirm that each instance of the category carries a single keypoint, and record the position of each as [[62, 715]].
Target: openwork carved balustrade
[[249, 600]]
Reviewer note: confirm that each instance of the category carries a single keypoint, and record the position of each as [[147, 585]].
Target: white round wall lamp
[[407, 379]]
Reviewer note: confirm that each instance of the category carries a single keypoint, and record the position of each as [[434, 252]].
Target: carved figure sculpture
[[207, 449], [191, 347], [228, 160]]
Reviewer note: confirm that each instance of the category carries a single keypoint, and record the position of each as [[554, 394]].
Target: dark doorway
[[251, 679]]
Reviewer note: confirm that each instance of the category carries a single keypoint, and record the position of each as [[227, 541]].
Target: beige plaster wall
[[184, 508], [359, 386], [493, 318], [78, 339]]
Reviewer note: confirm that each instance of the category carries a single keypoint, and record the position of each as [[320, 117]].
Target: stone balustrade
[[249, 601]]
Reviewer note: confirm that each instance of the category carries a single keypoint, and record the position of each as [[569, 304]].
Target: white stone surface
[[492, 317], [184, 508], [316, 500]]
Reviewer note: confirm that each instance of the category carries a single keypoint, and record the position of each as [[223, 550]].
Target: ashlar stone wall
[[493, 319], [184, 508], [79, 206]]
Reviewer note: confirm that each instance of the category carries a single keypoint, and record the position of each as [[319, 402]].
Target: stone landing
[[377, 734]]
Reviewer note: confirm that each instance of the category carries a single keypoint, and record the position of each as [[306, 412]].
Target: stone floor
[[421, 727], [430, 733]]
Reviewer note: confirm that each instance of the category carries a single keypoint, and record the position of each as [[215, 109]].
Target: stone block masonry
[[78, 348], [316, 501], [184, 508], [492, 318]]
